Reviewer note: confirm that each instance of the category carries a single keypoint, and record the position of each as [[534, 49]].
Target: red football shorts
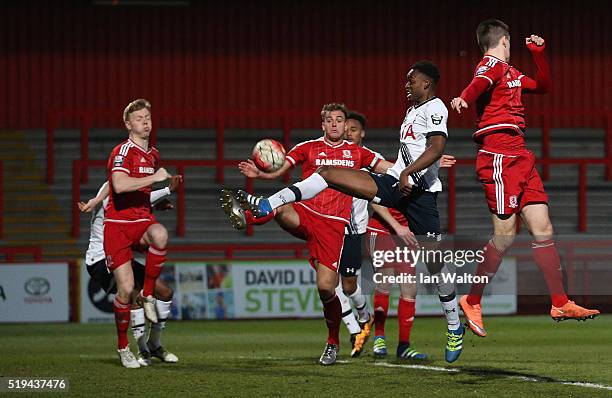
[[383, 242], [324, 237], [510, 182], [119, 239]]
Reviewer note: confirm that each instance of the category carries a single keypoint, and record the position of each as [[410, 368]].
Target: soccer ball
[[269, 155]]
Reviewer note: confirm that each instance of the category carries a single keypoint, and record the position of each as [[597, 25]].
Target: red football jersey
[[133, 160], [378, 224], [500, 107], [315, 153]]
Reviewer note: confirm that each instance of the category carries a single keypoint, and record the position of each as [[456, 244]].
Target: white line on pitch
[[422, 367]]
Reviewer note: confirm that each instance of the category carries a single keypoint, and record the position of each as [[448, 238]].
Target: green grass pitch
[[525, 356]]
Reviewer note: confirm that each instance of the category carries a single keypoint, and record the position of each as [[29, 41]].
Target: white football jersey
[[95, 250], [422, 121], [359, 212]]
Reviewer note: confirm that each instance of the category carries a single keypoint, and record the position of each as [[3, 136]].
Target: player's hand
[[164, 205], [161, 175], [447, 161], [249, 169], [458, 103], [87, 207], [535, 44], [407, 236], [175, 181], [405, 187]]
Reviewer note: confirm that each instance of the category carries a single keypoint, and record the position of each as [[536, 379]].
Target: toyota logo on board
[[37, 286]]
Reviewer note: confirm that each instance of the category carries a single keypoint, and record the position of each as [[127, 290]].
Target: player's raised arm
[[93, 202], [542, 82], [249, 169]]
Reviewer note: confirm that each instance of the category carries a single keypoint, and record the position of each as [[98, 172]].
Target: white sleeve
[[160, 194], [436, 115]]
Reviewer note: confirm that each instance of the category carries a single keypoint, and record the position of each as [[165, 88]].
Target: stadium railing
[[288, 120]]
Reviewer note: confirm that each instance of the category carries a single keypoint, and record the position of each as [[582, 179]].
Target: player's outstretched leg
[[355, 183]]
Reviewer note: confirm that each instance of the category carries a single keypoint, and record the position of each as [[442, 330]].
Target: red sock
[[488, 267], [122, 322], [250, 220], [332, 310], [405, 318], [547, 259], [153, 267], [381, 307]]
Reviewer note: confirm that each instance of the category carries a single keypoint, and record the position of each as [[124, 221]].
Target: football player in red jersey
[[321, 220], [133, 167], [506, 168]]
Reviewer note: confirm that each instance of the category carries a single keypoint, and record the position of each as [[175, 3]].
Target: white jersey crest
[[422, 121]]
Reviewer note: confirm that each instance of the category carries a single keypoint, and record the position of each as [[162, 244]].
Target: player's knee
[[544, 231], [125, 291], [159, 236], [349, 285], [326, 293]]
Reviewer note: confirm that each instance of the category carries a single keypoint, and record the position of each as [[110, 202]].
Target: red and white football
[[269, 155]]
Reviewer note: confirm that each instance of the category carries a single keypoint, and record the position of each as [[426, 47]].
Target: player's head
[[333, 118], [355, 127], [421, 81], [137, 118], [493, 33]]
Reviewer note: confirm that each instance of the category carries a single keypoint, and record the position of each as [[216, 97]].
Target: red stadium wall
[[278, 55]]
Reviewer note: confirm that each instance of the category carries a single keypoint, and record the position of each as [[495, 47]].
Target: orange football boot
[[473, 313], [571, 310]]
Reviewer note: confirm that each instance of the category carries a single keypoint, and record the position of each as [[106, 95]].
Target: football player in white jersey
[[410, 186], [95, 259], [350, 262]]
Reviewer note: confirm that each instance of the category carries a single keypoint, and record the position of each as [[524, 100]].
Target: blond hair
[[134, 106]]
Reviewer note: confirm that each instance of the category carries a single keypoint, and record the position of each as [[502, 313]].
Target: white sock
[[359, 301], [451, 310], [138, 328], [347, 313], [163, 311], [303, 190]]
